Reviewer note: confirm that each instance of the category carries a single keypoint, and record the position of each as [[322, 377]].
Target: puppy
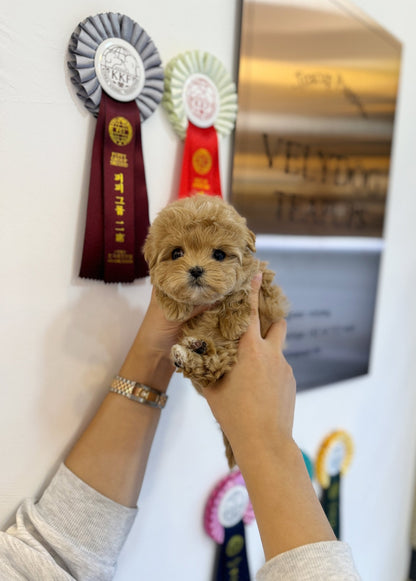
[[200, 252]]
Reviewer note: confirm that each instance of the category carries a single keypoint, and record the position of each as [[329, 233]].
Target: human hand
[[158, 334], [254, 403], [149, 356]]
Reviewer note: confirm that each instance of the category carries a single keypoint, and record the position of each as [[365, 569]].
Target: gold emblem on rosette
[[120, 131], [202, 161], [234, 546]]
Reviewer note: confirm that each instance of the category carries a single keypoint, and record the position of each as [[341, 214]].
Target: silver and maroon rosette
[[117, 73], [112, 52]]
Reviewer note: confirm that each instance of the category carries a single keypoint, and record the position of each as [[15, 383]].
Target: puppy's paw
[[188, 354], [196, 345], [179, 356], [201, 362]]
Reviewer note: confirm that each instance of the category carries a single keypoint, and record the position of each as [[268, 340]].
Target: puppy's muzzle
[[196, 272]]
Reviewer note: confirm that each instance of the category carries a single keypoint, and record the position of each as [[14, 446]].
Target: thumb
[[277, 334]]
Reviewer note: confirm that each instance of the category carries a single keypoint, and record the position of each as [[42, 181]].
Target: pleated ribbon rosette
[[227, 512], [332, 462], [118, 76], [201, 102]]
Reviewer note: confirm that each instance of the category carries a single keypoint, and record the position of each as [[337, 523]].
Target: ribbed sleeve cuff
[[330, 560], [85, 517]]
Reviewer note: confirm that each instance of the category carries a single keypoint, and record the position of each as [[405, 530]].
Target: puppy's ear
[[149, 251], [251, 240]]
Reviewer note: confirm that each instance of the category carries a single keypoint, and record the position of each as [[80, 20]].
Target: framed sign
[[317, 87]]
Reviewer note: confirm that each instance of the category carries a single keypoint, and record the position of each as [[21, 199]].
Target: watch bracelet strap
[[138, 392]]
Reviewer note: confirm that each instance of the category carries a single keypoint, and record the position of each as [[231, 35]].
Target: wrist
[[287, 509], [150, 368], [255, 454]]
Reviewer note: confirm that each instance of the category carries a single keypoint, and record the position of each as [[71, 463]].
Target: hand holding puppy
[[255, 402]]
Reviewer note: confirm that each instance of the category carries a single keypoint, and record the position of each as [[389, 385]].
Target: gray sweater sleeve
[[73, 532], [331, 560]]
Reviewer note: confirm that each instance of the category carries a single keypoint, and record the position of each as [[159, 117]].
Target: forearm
[[111, 455], [287, 510]]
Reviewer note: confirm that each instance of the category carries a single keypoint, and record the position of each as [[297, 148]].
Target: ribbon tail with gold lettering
[[232, 563]]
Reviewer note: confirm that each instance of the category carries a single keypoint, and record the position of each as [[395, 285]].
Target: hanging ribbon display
[[333, 460], [201, 101], [227, 512], [117, 72]]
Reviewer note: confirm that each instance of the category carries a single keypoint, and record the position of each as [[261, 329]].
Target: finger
[[277, 334], [154, 305]]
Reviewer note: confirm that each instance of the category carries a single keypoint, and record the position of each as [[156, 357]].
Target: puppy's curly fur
[[200, 252]]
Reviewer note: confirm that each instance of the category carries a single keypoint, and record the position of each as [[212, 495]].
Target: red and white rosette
[[201, 101], [227, 505], [117, 72]]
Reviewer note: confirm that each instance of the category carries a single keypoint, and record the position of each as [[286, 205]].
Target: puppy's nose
[[196, 271]]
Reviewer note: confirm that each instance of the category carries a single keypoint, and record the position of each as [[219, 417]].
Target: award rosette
[[117, 72], [201, 101], [227, 511], [309, 464], [333, 460]]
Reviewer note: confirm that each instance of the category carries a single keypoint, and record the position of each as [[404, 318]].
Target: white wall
[[63, 338]]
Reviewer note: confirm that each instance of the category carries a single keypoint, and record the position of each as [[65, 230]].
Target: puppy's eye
[[177, 253], [218, 254]]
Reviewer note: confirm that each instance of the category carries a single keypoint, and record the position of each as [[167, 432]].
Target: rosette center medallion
[[119, 69], [201, 100]]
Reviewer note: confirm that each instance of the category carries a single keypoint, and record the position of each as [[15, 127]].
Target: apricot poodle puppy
[[201, 252]]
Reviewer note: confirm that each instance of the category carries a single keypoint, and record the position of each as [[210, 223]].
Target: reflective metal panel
[[317, 97]]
